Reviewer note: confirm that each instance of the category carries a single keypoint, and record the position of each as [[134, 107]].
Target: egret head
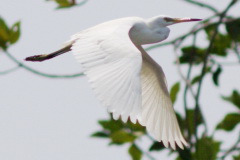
[[164, 21]]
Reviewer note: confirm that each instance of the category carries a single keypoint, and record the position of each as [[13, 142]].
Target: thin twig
[[38, 72], [148, 155], [182, 76], [9, 70], [185, 93], [237, 50], [176, 46], [204, 5], [224, 63], [207, 53], [150, 137], [185, 103], [233, 148]]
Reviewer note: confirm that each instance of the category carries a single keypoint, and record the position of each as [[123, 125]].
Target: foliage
[[135, 152], [174, 91], [156, 146], [202, 145], [234, 98], [230, 121], [118, 132], [233, 29], [8, 35], [68, 3], [206, 148]]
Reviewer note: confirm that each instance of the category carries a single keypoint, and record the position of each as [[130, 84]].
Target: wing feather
[[127, 81], [112, 64], [158, 114]]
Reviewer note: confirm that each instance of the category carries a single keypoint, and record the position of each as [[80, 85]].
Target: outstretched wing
[[126, 85], [158, 114], [112, 64]]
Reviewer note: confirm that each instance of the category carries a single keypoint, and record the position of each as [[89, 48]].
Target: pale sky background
[[52, 119]]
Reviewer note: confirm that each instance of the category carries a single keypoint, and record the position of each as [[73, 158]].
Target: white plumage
[[127, 81], [125, 78]]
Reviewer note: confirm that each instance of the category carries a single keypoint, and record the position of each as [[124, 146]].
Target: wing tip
[[174, 144]]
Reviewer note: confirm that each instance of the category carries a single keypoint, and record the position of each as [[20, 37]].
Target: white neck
[[148, 33]]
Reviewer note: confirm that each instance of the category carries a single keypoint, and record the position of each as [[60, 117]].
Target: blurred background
[[48, 111]]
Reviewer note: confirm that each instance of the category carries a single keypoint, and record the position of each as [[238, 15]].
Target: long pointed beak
[[179, 20]]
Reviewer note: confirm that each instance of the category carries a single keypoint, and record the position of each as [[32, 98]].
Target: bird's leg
[[43, 57]]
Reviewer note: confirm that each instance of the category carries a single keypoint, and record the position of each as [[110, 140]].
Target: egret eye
[[168, 19]]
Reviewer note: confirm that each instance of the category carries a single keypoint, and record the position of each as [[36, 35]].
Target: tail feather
[[43, 57]]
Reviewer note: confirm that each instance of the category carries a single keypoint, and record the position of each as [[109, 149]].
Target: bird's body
[[127, 81], [141, 31]]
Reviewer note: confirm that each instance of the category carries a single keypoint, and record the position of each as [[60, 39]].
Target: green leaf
[[3, 44], [174, 91], [232, 28], [14, 33], [135, 152], [195, 79], [65, 3], [111, 125], [207, 149], [216, 74], [100, 134], [191, 54], [156, 146], [4, 30], [191, 120], [236, 157], [4, 34], [210, 30], [184, 154], [234, 98], [221, 42], [179, 158], [113, 128], [120, 137], [134, 127], [8, 36], [181, 121], [230, 121]]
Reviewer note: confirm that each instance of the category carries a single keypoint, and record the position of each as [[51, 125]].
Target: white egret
[[127, 81]]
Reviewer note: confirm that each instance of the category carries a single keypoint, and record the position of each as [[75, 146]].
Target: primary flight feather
[[127, 81]]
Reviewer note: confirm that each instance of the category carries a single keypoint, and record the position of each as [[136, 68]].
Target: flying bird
[[127, 81]]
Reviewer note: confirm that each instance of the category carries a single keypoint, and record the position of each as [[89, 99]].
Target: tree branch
[[9, 70], [233, 148], [204, 5], [207, 53], [148, 155], [224, 63], [188, 83], [237, 50], [185, 93]]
